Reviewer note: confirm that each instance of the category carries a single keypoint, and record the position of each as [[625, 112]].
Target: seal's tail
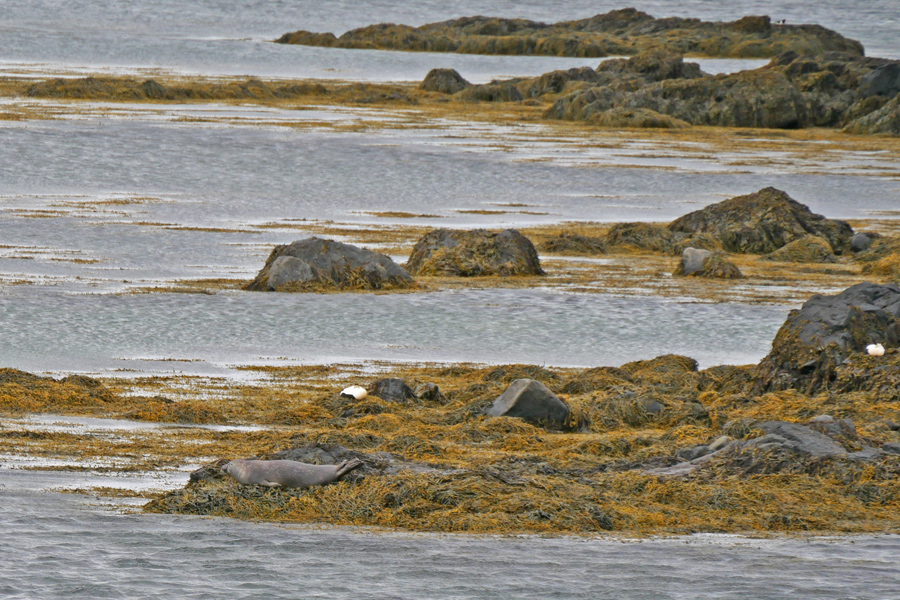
[[348, 465]]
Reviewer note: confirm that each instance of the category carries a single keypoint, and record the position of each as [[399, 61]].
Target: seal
[[287, 473]]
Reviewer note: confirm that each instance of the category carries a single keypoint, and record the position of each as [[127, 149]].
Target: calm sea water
[[60, 546], [95, 204]]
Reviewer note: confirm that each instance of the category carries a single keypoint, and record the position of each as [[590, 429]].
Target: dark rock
[[703, 263], [815, 340], [394, 390], [656, 64], [315, 262], [445, 81], [641, 236], [651, 407], [808, 249], [556, 82], [762, 222], [531, 401], [474, 253]]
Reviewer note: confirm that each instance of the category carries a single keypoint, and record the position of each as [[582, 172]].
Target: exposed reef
[[619, 32]]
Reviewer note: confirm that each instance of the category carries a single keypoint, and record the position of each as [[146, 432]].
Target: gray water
[[59, 546], [225, 37]]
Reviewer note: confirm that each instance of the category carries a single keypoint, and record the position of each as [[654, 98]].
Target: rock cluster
[[619, 32]]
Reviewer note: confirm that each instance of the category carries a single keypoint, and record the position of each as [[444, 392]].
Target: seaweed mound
[[762, 222], [820, 337], [314, 264], [474, 253], [808, 249]]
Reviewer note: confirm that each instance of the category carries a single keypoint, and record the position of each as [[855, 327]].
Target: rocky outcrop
[[817, 339], [474, 253], [704, 263], [314, 264], [762, 222], [620, 32], [572, 243], [792, 91], [808, 249], [444, 81], [531, 401]]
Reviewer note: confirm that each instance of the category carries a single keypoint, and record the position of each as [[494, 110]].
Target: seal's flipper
[[347, 466], [270, 483]]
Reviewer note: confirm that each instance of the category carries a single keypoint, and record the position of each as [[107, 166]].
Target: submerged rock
[[316, 263], [474, 253], [762, 222], [531, 401], [815, 340]]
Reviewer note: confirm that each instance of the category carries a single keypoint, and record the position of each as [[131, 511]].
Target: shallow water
[[59, 546]]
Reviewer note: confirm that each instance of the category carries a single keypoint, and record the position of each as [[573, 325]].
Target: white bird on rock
[[875, 350], [354, 391]]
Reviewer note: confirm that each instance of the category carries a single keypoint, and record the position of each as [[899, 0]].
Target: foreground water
[[63, 546]]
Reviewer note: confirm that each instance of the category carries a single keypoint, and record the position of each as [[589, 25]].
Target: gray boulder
[[474, 253], [445, 81], [315, 263], [394, 390], [860, 242], [531, 401], [703, 263], [815, 340]]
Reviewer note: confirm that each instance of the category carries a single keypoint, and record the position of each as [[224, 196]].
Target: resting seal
[[287, 473]]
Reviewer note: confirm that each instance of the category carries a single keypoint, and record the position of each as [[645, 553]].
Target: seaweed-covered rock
[[495, 91], [762, 222], [815, 340], [316, 263], [445, 81], [641, 236], [808, 249], [474, 253], [619, 32], [572, 243], [642, 118], [530, 401], [707, 264]]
